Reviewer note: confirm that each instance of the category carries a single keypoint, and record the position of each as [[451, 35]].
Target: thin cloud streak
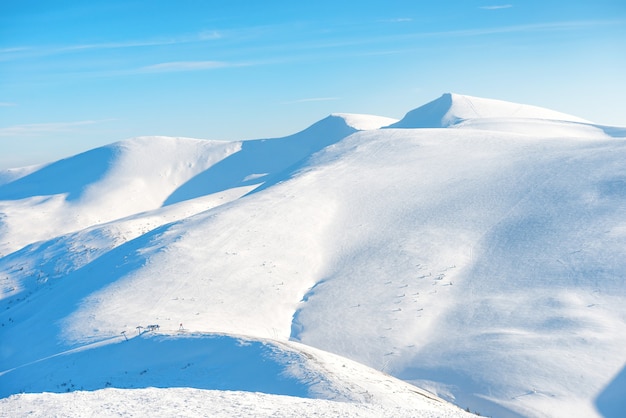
[[534, 27], [38, 51], [312, 99], [178, 66], [395, 39], [310, 44], [397, 20], [405, 43], [7, 104], [199, 37], [14, 49], [504, 6], [35, 129]]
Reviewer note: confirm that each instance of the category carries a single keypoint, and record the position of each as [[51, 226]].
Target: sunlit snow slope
[[473, 248]]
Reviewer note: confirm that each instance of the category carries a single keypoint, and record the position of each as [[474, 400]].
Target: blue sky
[[75, 75]]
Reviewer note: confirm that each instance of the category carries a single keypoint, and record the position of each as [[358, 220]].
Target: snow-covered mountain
[[473, 249], [452, 109]]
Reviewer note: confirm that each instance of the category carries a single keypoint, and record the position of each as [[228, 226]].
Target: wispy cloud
[[35, 129], [14, 49], [498, 7], [312, 99], [398, 20], [533, 27], [197, 37], [406, 42], [30, 51], [396, 43], [7, 104], [9, 54], [178, 66]]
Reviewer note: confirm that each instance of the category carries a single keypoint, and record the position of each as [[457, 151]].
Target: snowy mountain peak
[[451, 109], [340, 125], [364, 122]]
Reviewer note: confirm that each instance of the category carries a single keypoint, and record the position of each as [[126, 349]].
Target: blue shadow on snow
[[612, 401], [195, 361], [71, 176], [264, 161]]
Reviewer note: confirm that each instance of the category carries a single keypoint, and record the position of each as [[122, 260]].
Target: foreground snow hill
[[206, 363], [191, 403], [473, 248]]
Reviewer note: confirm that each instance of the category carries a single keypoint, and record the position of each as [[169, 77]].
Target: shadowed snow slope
[[267, 161], [100, 185], [216, 362], [143, 174], [484, 263]]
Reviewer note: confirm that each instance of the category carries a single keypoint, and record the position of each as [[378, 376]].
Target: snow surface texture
[[474, 249], [197, 403]]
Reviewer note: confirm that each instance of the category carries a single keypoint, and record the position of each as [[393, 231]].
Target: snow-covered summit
[[451, 109], [338, 125], [364, 122]]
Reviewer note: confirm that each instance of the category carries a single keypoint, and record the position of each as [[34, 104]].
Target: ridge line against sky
[[196, 69]]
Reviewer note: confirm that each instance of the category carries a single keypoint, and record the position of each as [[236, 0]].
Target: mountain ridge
[[428, 254]]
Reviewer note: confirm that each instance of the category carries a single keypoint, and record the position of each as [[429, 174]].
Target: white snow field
[[474, 249]]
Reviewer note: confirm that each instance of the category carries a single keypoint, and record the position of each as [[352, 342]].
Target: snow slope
[[474, 249], [99, 186], [144, 174], [200, 403], [266, 161], [200, 364]]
